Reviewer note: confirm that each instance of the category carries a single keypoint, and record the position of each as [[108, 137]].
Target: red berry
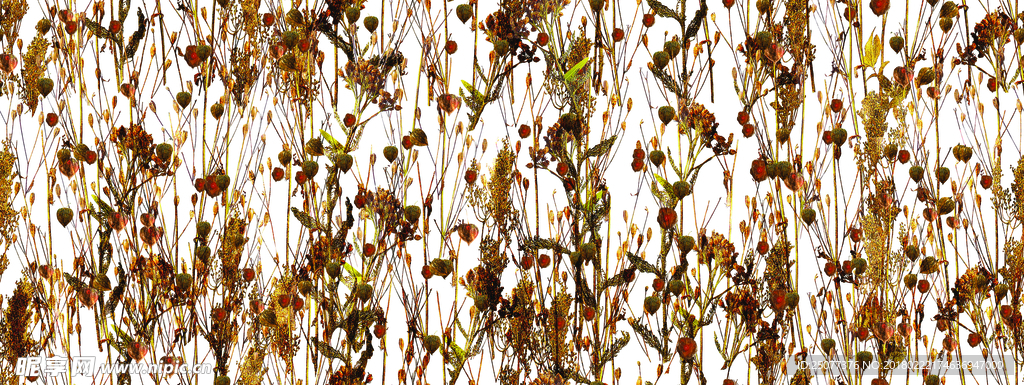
[[836, 105], [542, 39], [470, 176], [648, 20], [666, 217], [748, 130], [277, 174], [658, 284], [904, 156], [545, 260], [618, 34], [986, 181], [51, 119], [993, 85], [451, 46], [524, 131], [268, 19]]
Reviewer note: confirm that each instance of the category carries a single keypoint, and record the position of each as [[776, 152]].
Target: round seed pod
[[345, 162], [284, 157], [43, 26], [391, 153], [203, 229], [657, 157], [464, 12], [931, 380], [183, 98], [783, 169], [808, 215], [792, 300], [333, 269], [431, 343], [183, 281], [686, 244], [268, 318], [917, 173], [827, 345], [864, 357], [839, 136], [217, 110], [352, 14], [660, 59], [1000, 291], [945, 24], [294, 17], [45, 85], [929, 265], [860, 265], [412, 213], [305, 287], [675, 286], [672, 48], [681, 189], [164, 151], [666, 114], [945, 205], [290, 39], [64, 216], [896, 43], [204, 51], [652, 304], [480, 302], [948, 10], [370, 23], [203, 253], [666, 217], [63, 155], [912, 252], [222, 181], [910, 280], [942, 174], [891, 150], [925, 76], [501, 47], [310, 168], [589, 250], [315, 147], [364, 292], [222, 380], [686, 347]]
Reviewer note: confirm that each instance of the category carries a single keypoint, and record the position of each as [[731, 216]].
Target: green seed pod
[[945, 24], [925, 76], [681, 189], [597, 5], [352, 14], [575, 258], [589, 250], [763, 6], [763, 40], [910, 280], [204, 51], [931, 380], [652, 304], [370, 22], [183, 98], [865, 357], [345, 162], [217, 110], [464, 12], [783, 169], [203, 229], [364, 292], [333, 269], [412, 213], [1000, 291], [203, 254], [305, 287], [315, 147], [839, 136], [164, 151], [666, 114], [222, 380], [442, 267], [294, 17], [268, 318], [102, 283], [183, 281], [675, 286], [285, 157], [828, 345], [81, 152], [945, 205], [661, 59], [942, 174], [860, 265], [672, 48], [891, 150], [43, 26], [948, 10], [63, 155], [64, 215], [290, 39], [310, 168], [431, 343], [912, 252], [686, 244], [657, 157], [222, 181], [480, 302], [501, 47], [792, 300], [808, 215], [391, 153], [772, 169], [929, 265], [917, 173], [896, 43], [45, 85]]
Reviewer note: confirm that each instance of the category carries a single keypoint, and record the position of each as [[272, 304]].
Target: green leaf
[[872, 50], [334, 142], [326, 349], [305, 219], [570, 76], [643, 265], [601, 148], [661, 10], [351, 270]]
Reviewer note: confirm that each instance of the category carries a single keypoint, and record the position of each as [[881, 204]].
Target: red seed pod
[[778, 299], [748, 130], [993, 85], [268, 19], [298, 303], [406, 142], [743, 117], [360, 200], [527, 262], [426, 272], [51, 119], [986, 181], [284, 300], [923, 285], [830, 269], [973, 339], [687, 348], [248, 274], [759, 170], [470, 176], [545, 261], [277, 174], [618, 34], [451, 46], [637, 164], [200, 184], [300, 177], [562, 169], [542, 39], [728, 5], [524, 131], [904, 156], [589, 313], [379, 330], [836, 105], [659, 284], [648, 20], [666, 217], [878, 7], [762, 247], [350, 120]]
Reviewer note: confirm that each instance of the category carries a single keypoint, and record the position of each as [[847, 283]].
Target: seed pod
[[501, 47], [364, 292], [879, 7], [391, 153], [671, 48], [310, 168], [183, 98], [480, 302], [222, 181], [661, 59], [917, 173], [217, 110], [345, 162], [418, 137], [942, 174], [45, 85], [314, 147], [808, 215], [860, 265], [945, 205], [164, 151], [929, 265], [412, 213], [912, 252], [657, 157], [268, 318], [183, 281], [464, 12], [686, 347], [910, 280], [681, 189], [896, 43], [792, 300], [222, 380], [294, 17], [675, 286], [64, 215], [290, 39], [828, 345], [773, 169], [666, 217], [686, 244], [783, 169], [931, 380], [648, 20], [1000, 291], [891, 150], [589, 250], [352, 14], [759, 170], [204, 51], [370, 22], [203, 229], [838, 136], [203, 253], [948, 10], [925, 76], [333, 269], [666, 114], [431, 343], [652, 304], [945, 24], [864, 357]]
